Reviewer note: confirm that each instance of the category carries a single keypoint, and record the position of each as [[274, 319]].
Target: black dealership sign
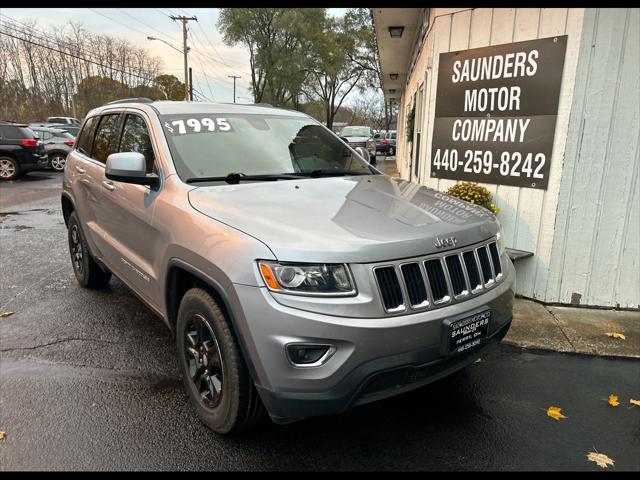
[[496, 111]]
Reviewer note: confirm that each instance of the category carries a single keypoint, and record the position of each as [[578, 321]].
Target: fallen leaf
[[5, 314], [2, 435], [554, 412], [634, 402], [600, 458], [478, 360], [613, 400], [616, 335]]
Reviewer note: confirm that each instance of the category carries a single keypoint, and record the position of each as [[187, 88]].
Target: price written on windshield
[[512, 164], [197, 125]]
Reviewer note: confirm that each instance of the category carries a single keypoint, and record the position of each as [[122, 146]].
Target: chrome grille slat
[[437, 280], [415, 285], [390, 290]]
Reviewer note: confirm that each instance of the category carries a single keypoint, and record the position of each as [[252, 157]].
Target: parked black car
[[57, 144], [20, 150]]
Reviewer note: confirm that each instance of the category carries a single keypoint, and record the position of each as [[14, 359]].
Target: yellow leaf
[[5, 314], [616, 335], [554, 412], [600, 458], [635, 402], [2, 435], [613, 400]]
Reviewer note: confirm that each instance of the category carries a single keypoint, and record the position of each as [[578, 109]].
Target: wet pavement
[[90, 380]]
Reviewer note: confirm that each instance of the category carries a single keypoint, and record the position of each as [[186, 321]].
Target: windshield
[[355, 132], [216, 145]]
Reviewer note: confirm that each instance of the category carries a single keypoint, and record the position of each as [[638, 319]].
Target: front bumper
[[375, 357]]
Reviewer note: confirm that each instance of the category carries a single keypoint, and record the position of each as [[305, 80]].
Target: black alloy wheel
[[202, 354]]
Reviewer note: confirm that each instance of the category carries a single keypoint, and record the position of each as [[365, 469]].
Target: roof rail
[[131, 100]]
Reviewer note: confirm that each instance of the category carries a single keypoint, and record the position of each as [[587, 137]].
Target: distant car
[[389, 143], [20, 150], [57, 144], [64, 120], [70, 128], [378, 136], [358, 136]]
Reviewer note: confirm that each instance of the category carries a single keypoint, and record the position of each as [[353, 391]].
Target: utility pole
[[185, 49], [190, 84], [234, 85]]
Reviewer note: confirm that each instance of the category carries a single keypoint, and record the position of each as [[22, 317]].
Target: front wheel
[[58, 161], [392, 151], [372, 159], [213, 369]]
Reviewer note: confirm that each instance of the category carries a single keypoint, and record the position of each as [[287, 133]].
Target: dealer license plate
[[468, 332]]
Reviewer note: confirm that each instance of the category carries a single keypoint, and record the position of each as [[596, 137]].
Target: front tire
[[392, 151], [88, 273], [9, 168], [372, 159], [213, 370]]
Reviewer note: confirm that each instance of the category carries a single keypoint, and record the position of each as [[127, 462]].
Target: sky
[[211, 60]]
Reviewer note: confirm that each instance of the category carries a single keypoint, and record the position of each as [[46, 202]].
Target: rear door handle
[[108, 185], [80, 169]]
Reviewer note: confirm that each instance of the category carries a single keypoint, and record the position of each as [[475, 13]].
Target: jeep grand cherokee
[[297, 279]]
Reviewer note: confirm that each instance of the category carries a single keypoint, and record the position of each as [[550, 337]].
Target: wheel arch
[[180, 278], [67, 207]]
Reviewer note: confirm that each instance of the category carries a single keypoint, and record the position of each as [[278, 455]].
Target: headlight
[[307, 278], [500, 241]]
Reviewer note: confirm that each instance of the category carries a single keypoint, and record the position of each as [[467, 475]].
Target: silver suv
[[297, 279]]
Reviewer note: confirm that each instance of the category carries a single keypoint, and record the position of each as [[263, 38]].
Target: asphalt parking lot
[[90, 380]]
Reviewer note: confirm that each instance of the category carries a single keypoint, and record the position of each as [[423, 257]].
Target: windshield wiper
[[235, 178], [332, 173]]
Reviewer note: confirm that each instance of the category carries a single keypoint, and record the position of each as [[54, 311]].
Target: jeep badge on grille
[[446, 242]]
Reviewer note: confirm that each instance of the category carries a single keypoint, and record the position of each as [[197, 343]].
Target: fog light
[[309, 354]]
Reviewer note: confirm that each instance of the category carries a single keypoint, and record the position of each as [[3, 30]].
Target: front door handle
[[80, 169], [108, 185]]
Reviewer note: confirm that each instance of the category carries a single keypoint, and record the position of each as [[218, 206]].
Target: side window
[[86, 136], [135, 138], [105, 142]]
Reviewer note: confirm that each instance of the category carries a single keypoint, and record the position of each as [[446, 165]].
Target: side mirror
[[363, 153], [130, 167]]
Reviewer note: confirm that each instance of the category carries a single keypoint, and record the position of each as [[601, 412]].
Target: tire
[[58, 161], [372, 160], [392, 151], [87, 271], [215, 376], [9, 168]]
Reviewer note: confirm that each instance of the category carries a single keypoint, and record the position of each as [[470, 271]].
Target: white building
[[566, 105]]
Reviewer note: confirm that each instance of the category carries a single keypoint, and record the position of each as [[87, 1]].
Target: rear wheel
[[9, 168], [58, 161], [87, 271], [213, 369]]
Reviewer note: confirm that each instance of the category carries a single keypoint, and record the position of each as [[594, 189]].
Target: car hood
[[356, 219]]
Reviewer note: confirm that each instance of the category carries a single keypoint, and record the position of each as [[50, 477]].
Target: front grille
[[389, 288], [458, 283], [437, 280], [446, 278], [485, 265], [414, 282]]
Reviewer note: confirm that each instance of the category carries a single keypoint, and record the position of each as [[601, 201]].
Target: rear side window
[[86, 136], [13, 133], [106, 140], [135, 138]]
